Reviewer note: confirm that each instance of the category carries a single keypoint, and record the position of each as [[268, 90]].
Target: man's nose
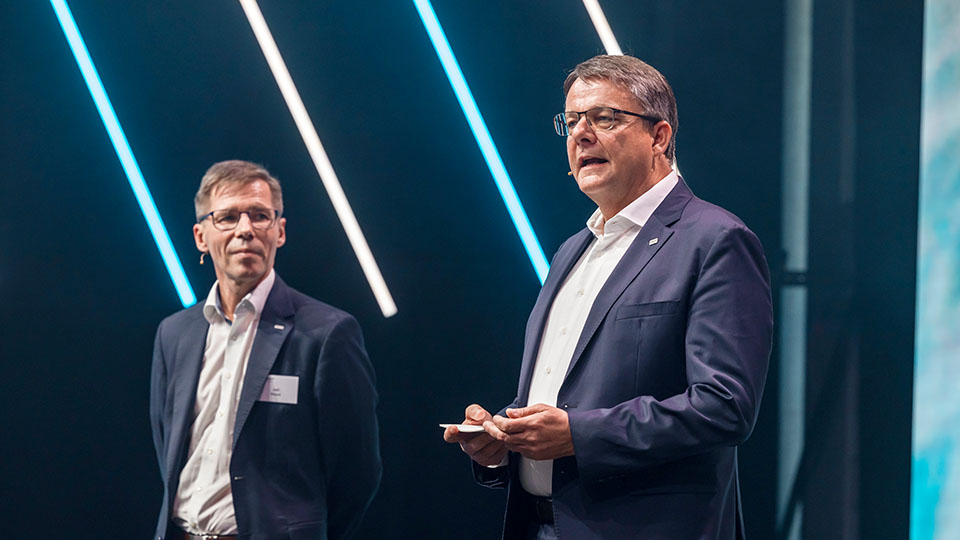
[[582, 130], [244, 225]]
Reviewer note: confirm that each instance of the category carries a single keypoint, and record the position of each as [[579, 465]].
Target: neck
[[231, 292], [660, 171]]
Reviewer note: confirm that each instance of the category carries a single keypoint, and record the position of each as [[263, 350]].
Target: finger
[[491, 429], [451, 434], [528, 410], [477, 444], [505, 425], [475, 414]]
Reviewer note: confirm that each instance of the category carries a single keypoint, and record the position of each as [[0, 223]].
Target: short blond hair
[[234, 172]]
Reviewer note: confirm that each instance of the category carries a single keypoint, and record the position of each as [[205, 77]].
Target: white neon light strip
[[484, 140], [602, 26], [319, 157], [122, 147]]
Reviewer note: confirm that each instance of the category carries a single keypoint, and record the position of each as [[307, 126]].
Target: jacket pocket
[[650, 309]]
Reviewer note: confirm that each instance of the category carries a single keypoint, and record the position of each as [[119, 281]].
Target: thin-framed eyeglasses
[[598, 117], [228, 219]]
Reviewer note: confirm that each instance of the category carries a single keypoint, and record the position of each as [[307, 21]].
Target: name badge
[[280, 389]]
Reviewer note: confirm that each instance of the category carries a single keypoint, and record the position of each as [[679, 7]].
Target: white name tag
[[280, 389]]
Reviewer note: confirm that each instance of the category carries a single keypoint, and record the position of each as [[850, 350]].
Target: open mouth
[[588, 161]]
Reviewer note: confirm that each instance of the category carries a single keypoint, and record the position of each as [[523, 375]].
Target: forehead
[[232, 195], [586, 94]]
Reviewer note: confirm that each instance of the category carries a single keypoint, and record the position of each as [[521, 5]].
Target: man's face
[[615, 166], [242, 256]]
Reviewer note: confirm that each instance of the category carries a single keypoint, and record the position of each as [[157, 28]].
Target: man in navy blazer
[[262, 399], [647, 350]]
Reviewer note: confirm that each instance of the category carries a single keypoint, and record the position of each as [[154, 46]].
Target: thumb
[[476, 413]]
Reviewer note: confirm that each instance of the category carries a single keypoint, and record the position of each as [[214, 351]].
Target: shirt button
[[563, 332], [209, 451], [219, 414], [227, 375], [548, 371], [580, 292]]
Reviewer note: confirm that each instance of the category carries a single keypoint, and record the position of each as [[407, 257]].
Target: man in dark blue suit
[[647, 350], [262, 399]]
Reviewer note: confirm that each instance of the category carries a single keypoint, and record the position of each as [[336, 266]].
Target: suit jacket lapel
[[190, 349], [276, 321], [566, 258], [633, 262]]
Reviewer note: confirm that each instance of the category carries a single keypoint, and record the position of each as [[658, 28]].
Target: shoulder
[[172, 324], [311, 316], [710, 222]]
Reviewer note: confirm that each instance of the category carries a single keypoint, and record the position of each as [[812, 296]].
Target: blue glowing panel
[[935, 490], [484, 140], [119, 140]]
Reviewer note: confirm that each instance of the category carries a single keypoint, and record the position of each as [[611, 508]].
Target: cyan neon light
[[129, 163], [484, 140]]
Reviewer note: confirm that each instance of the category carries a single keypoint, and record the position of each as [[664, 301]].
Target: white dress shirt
[[204, 502], [572, 305]]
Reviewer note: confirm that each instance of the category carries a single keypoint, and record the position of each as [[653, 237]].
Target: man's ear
[[282, 232], [198, 237], [662, 133]]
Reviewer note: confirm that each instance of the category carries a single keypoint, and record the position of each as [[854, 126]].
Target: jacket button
[[565, 406]]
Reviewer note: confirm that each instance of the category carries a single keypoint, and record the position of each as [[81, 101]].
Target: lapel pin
[[278, 326], [653, 241]]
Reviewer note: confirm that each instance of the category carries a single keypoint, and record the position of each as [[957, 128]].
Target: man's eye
[[227, 218], [603, 119], [261, 216]]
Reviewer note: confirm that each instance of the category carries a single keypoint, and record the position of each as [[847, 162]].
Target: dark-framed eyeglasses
[[228, 219], [598, 117]]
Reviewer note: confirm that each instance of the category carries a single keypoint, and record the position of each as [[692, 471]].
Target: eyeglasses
[[227, 220], [598, 118]]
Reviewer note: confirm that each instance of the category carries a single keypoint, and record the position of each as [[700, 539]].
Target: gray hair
[[234, 173], [648, 85]]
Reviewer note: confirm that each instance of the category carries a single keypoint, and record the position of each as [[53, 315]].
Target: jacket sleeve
[[158, 392], [726, 353], [349, 439]]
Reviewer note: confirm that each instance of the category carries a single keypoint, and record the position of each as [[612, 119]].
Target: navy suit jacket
[[307, 470], [664, 383]]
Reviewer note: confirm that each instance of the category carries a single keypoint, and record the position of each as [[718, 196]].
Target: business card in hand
[[464, 428]]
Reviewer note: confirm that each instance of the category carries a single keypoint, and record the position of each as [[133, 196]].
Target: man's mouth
[[588, 161], [246, 252]]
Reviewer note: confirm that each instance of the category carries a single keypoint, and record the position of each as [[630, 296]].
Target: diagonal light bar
[[484, 140], [603, 27], [319, 157], [129, 163]]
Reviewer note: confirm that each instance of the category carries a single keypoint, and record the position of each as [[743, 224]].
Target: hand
[[537, 432], [481, 447]]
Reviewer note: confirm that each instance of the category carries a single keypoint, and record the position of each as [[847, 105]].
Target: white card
[[280, 389]]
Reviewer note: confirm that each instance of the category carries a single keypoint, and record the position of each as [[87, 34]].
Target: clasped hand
[[536, 432]]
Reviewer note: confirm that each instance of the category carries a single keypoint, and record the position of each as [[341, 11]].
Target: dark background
[[83, 287]]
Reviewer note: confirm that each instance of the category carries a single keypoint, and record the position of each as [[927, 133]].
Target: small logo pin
[[653, 241], [278, 326]]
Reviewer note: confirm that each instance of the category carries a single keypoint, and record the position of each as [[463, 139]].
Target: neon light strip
[[602, 26], [319, 156], [129, 163], [482, 135]]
